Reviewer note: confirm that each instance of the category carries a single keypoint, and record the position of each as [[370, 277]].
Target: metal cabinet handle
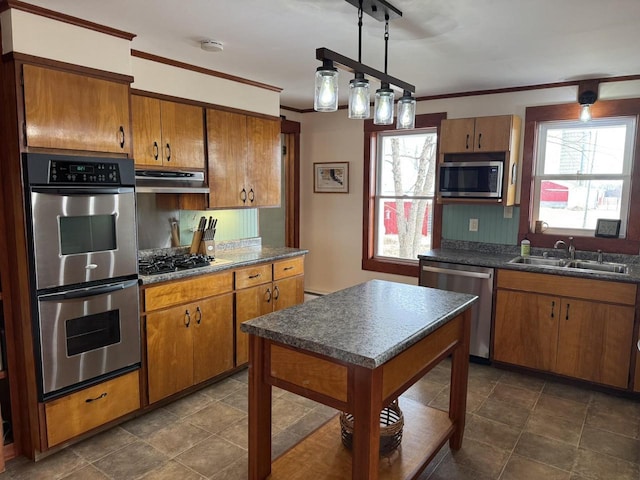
[[187, 318], [254, 276], [156, 151], [168, 152], [514, 170], [89, 400], [199, 315], [121, 129], [267, 295], [466, 145], [243, 195], [276, 293], [287, 268], [553, 304], [479, 140], [252, 195], [567, 316]]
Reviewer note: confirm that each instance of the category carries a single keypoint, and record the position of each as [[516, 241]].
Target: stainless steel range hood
[[170, 181]]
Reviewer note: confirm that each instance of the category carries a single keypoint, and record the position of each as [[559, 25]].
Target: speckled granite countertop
[[364, 325], [498, 256], [226, 259]]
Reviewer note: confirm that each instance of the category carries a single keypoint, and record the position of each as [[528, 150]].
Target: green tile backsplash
[[492, 226], [232, 224]]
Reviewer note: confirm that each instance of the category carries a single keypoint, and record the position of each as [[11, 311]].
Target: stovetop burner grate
[[170, 263]]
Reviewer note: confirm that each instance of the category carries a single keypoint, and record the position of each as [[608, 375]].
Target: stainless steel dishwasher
[[466, 279]]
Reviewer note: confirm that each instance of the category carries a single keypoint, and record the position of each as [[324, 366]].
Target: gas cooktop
[[170, 263]]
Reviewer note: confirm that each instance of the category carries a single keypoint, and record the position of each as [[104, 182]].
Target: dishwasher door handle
[[459, 273]]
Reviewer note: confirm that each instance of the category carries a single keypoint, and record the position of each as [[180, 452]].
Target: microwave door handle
[[88, 292]]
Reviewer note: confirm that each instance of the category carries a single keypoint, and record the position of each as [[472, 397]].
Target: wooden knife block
[[208, 247]]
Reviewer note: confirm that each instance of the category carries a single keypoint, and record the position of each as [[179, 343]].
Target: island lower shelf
[[322, 456]]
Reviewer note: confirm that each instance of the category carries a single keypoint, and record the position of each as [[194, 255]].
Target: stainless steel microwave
[[480, 179]]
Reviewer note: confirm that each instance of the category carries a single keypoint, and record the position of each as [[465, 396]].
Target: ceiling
[[440, 46]]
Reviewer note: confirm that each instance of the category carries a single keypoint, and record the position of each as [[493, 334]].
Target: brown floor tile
[[484, 372], [55, 466], [554, 428], [491, 432], [424, 391], [607, 403], [149, 422], [176, 438], [238, 470], [568, 392], [545, 450], [86, 473], [594, 465], [474, 402], [612, 444], [514, 395], [103, 444], [480, 386], [172, 471], [283, 441], [237, 433], [131, 461], [224, 388], [449, 469], [216, 417], [439, 374], [285, 412], [310, 422], [210, 456], [559, 407], [479, 457], [238, 399], [189, 405], [506, 413], [613, 422], [521, 468], [522, 381]]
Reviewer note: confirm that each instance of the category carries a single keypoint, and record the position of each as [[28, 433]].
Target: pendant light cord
[[360, 32], [386, 40]]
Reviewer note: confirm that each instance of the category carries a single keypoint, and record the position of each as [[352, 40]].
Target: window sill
[[407, 268]]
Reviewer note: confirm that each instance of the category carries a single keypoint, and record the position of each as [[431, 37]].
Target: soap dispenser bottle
[[525, 247]]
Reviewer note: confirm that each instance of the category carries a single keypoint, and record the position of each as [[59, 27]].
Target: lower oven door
[[86, 333]]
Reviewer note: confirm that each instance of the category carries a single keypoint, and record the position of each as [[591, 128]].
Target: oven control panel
[[105, 173]]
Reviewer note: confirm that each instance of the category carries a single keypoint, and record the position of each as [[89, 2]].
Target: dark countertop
[[227, 260], [364, 325], [499, 258]]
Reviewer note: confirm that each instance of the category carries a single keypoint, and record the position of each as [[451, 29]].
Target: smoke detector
[[211, 45]]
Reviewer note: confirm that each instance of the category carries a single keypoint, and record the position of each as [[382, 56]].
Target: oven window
[[92, 332], [90, 233]]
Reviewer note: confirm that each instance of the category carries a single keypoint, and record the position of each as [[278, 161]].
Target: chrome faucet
[[571, 250]]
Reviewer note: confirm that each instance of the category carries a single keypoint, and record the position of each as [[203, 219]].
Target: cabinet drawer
[[79, 412], [597, 290], [184, 291], [288, 268], [254, 275]]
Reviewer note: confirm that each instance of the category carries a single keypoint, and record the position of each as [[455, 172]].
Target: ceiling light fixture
[[359, 103], [587, 96]]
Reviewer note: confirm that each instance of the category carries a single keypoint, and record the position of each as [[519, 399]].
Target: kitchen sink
[[599, 267], [540, 261]]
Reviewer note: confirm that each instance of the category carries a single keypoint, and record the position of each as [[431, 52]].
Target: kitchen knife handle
[[156, 152], [187, 318], [168, 152], [121, 129], [199, 315]]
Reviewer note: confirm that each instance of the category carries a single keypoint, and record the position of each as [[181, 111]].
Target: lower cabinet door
[[250, 303], [212, 337], [170, 351], [79, 412], [288, 292], [526, 329], [595, 341]]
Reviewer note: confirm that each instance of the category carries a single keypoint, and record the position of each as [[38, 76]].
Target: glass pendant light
[[326, 93], [383, 105], [406, 111], [586, 99], [359, 97], [585, 113]]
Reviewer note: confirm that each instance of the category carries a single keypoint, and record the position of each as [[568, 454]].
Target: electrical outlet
[[508, 212], [473, 224]]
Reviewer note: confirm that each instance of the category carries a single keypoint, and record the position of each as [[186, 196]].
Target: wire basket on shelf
[[391, 425]]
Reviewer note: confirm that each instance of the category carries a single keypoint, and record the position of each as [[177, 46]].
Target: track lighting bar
[[345, 63], [378, 9]]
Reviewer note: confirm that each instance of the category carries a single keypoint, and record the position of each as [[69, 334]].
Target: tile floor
[[518, 428]]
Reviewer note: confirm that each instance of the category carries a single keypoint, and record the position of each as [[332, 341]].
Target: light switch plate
[[508, 212]]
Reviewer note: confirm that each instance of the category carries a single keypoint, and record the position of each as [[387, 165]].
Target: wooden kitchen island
[[357, 350]]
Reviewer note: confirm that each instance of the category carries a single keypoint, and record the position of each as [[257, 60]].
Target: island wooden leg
[[259, 412], [459, 377], [367, 388]]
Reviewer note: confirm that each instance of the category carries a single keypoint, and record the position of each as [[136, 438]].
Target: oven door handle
[[88, 292], [82, 191]]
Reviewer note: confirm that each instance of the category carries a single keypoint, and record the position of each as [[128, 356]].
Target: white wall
[[331, 224]]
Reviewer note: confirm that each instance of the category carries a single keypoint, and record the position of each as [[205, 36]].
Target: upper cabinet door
[[456, 135], [71, 111], [147, 134], [492, 134], [263, 168], [182, 135]]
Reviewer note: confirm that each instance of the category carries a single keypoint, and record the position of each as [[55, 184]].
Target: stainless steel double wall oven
[[81, 219]]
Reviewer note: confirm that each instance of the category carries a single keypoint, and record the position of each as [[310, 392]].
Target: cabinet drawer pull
[[466, 145], [276, 293], [168, 152], [243, 195], [479, 139], [187, 318], [553, 304], [156, 151], [252, 195], [89, 400], [254, 276], [199, 317], [288, 268], [121, 129], [267, 295]]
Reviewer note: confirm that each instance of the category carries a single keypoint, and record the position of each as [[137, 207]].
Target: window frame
[[549, 113], [390, 265]]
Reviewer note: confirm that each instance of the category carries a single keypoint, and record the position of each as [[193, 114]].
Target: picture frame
[[607, 228], [331, 177]]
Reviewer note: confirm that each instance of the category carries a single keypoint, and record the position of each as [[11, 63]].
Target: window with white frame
[[404, 198], [583, 173]]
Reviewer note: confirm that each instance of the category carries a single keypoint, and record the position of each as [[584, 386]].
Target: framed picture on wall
[[331, 177]]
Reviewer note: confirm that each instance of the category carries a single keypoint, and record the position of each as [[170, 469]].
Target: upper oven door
[[82, 236]]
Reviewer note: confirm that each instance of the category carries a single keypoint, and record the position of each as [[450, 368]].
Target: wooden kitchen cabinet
[[76, 112], [257, 294], [167, 134], [575, 327], [188, 342], [481, 134], [636, 382], [244, 160]]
